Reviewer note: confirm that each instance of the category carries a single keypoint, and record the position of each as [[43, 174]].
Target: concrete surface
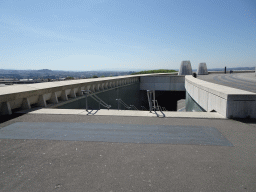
[[229, 102], [244, 81], [163, 83], [51, 165], [129, 113]]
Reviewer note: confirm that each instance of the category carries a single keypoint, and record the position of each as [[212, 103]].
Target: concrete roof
[[43, 165]]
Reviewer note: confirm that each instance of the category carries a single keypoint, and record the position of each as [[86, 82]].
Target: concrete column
[[79, 92], [93, 88], [72, 93], [98, 87], [5, 108], [88, 87], [25, 104], [41, 101], [64, 96], [103, 86], [54, 98]]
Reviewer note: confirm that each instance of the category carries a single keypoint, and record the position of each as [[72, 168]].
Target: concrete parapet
[[39, 94], [229, 102], [202, 69], [185, 68]]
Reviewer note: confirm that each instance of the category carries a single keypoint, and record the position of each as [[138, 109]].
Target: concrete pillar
[[79, 92], [64, 96], [25, 104], [54, 98], [5, 108], [72, 93], [98, 87], [93, 88], [41, 101], [185, 68]]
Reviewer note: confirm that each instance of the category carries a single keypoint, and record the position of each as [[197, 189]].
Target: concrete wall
[[229, 102], [162, 83], [42, 94], [130, 94]]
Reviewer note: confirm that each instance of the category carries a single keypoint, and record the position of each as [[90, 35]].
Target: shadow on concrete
[[4, 118], [246, 120]]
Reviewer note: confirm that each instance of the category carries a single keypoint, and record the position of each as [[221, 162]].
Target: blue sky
[[82, 35]]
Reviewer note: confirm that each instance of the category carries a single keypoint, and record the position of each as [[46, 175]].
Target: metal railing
[[158, 108], [120, 101], [134, 107], [96, 98], [153, 103]]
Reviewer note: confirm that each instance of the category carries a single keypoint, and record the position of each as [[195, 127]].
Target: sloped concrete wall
[[229, 102], [162, 83]]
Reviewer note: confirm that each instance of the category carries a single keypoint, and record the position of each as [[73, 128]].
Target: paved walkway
[[244, 81], [38, 164], [130, 113]]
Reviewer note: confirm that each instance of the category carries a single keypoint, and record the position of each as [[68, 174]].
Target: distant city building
[[26, 80]]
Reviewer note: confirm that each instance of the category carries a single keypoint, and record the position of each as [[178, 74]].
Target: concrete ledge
[[129, 113], [229, 102]]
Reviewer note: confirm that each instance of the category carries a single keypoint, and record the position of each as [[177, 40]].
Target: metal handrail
[[157, 107], [144, 108], [123, 103], [134, 107], [96, 98]]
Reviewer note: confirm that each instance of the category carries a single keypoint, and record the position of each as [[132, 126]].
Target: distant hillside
[[154, 71]]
